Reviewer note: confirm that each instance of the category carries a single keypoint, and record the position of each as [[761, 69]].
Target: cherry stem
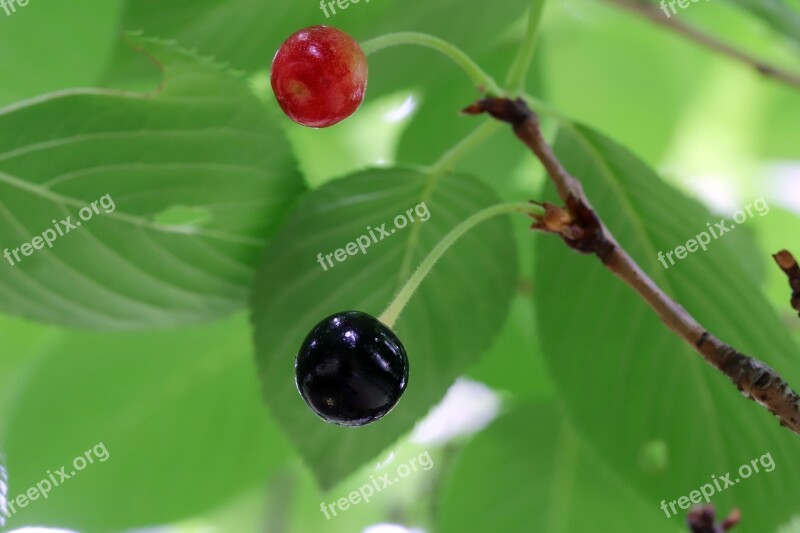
[[482, 80], [391, 314], [515, 80]]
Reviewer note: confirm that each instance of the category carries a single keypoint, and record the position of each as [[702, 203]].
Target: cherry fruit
[[319, 76], [351, 369]]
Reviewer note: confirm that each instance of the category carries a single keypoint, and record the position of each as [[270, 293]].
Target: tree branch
[[581, 228], [789, 265], [656, 16], [702, 519]]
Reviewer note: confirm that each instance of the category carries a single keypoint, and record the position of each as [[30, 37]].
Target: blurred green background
[[568, 407]]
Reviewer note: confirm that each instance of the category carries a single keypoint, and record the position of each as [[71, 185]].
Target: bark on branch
[[702, 519], [581, 228]]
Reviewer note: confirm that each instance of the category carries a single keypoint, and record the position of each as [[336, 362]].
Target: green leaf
[[529, 471], [752, 258], [254, 30], [626, 380], [49, 46], [201, 142], [178, 412], [448, 323], [515, 363]]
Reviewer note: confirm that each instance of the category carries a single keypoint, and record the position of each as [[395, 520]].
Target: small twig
[[702, 519], [582, 229], [674, 24], [789, 265]]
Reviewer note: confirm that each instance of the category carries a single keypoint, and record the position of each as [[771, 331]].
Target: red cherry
[[319, 76]]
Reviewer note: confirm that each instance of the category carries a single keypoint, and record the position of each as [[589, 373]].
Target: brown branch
[[582, 229], [789, 265], [656, 16], [702, 519]]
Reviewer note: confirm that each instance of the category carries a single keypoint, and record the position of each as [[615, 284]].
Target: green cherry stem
[[390, 315], [515, 81], [482, 80]]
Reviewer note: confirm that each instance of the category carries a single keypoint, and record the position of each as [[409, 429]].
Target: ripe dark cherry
[[351, 369], [319, 76]]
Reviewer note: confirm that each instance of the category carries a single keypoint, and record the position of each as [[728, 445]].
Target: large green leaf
[[47, 46], [448, 323], [514, 364], [254, 30], [202, 142], [529, 471], [628, 382], [179, 413]]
